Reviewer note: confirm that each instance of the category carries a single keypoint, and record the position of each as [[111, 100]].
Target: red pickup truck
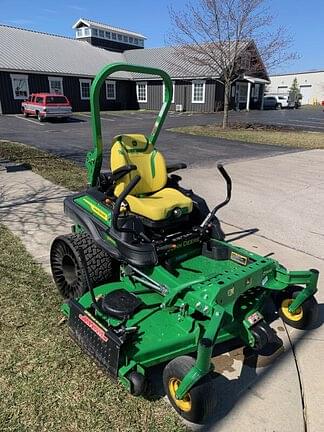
[[46, 105]]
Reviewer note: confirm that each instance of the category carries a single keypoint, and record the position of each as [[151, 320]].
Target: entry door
[[306, 91], [242, 92]]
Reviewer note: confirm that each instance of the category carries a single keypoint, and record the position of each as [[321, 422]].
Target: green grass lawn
[[46, 382], [57, 170], [286, 138]]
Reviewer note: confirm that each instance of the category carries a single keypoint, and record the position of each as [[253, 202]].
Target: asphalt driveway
[[72, 139]]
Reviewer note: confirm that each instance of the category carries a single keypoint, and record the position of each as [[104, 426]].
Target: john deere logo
[[187, 242]]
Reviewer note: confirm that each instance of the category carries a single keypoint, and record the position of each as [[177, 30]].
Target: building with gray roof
[[33, 62]]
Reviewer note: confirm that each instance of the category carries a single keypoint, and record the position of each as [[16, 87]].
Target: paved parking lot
[[73, 138]]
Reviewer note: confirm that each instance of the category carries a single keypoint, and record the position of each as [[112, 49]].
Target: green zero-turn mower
[[148, 277]]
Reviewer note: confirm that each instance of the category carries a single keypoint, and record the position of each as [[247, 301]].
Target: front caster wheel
[[263, 335], [200, 399], [305, 315], [138, 383]]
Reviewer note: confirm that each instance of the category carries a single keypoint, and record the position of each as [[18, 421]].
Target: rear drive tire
[[67, 267]]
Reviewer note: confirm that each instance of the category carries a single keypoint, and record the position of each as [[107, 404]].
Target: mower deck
[[170, 324]]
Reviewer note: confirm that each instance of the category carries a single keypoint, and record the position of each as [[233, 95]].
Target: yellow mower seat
[[149, 198]]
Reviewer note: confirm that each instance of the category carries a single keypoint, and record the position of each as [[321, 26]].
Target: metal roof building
[[32, 62], [311, 85]]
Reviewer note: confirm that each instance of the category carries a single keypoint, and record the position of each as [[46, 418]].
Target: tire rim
[[183, 404], [295, 316], [65, 270]]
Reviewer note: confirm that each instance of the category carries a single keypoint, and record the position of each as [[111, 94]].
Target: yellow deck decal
[[97, 210]]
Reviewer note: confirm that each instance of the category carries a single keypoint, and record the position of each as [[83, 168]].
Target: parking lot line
[[29, 120], [89, 116], [126, 116], [304, 121], [316, 118]]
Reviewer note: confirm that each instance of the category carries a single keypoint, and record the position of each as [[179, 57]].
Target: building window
[[173, 91], [101, 33], [86, 32], [125, 38], [136, 41], [108, 35], [79, 32], [131, 40], [111, 90], [94, 32], [198, 92], [20, 86], [141, 91], [120, 37], [114, 36], [55, 85], [85, 85]]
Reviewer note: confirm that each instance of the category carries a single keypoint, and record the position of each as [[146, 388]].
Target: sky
[[303, 19]]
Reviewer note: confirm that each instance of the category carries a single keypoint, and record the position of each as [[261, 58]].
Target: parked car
[[46, 105], [282, 100], [269, 102]]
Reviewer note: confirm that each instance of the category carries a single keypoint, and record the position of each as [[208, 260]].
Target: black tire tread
[[99, 263]]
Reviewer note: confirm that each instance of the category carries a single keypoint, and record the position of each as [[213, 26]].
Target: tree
[[294, 91], [229, 37]]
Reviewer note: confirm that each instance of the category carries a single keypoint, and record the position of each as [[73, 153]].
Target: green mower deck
[[140, 293]]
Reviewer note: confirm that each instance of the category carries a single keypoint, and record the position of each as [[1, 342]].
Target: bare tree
[[229, 37]]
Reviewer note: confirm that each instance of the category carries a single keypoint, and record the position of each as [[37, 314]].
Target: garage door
[[306, 91]]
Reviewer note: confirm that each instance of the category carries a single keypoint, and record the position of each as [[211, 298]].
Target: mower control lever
[[121, 198], [175, 167], [120, 172], [228, 181]]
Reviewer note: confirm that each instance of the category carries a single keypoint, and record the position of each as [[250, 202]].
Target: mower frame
[[225, 301]]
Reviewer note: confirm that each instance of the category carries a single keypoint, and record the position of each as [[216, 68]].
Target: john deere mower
[[148, 277]]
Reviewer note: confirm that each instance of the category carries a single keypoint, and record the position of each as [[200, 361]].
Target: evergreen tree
[[295, 90]]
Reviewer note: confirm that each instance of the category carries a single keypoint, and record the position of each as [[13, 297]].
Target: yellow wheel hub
[[296, 316], [185, 403]]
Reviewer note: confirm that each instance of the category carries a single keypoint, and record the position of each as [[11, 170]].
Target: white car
[[282, 100]]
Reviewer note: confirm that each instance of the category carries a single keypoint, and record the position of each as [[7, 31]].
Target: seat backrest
[[135, 149]]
